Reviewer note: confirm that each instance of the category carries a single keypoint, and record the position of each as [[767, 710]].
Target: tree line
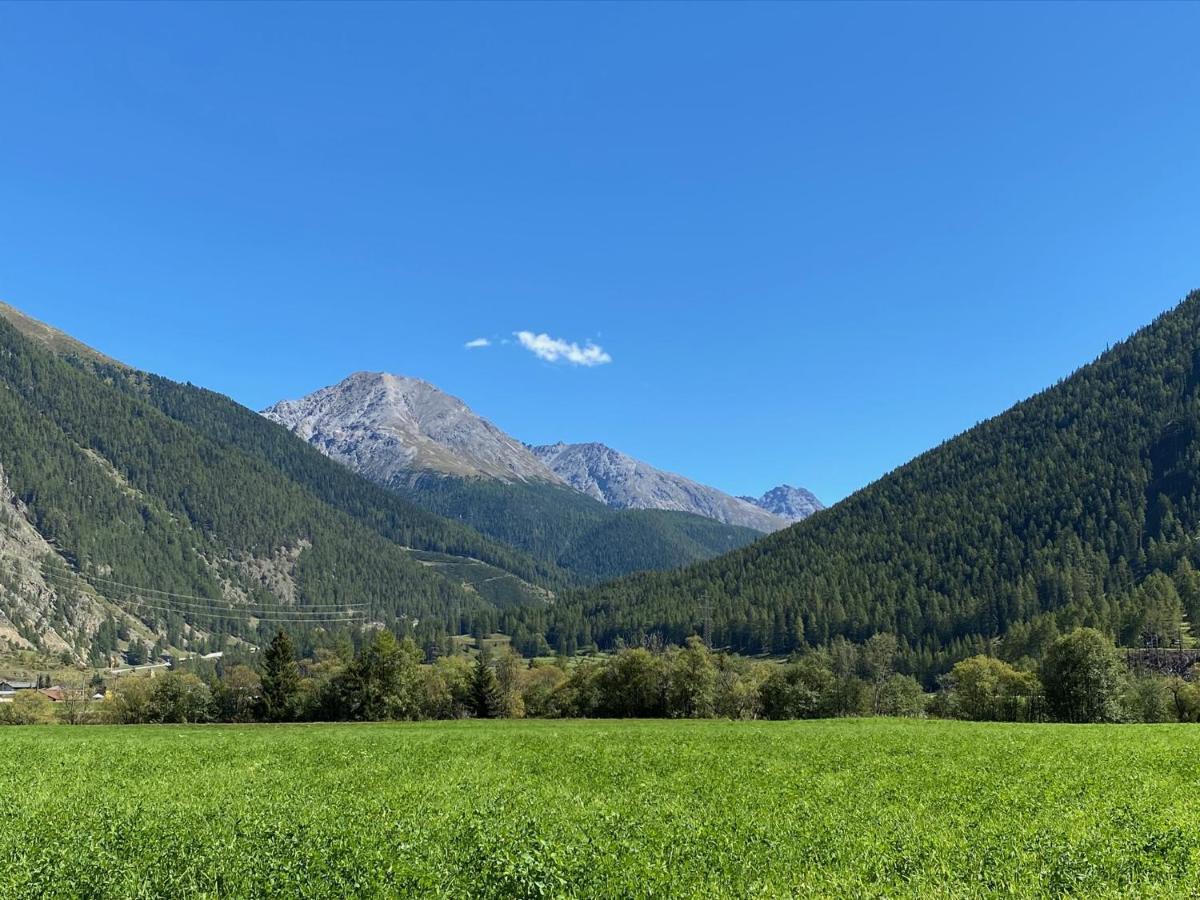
[[1082, 678]]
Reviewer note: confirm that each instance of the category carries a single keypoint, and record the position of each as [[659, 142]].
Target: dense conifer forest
[[573, 531], [1078, 506]]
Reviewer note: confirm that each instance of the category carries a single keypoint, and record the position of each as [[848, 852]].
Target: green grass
[[601, 809]]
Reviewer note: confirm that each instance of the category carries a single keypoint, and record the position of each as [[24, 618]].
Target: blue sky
[[812, 240]]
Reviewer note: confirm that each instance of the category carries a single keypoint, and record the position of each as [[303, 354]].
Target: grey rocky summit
[[791, 503], [626, 483], [394, 429], [391, 428]]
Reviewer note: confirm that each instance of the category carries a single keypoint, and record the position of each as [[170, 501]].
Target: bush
[[800, 690], [1184, 699], [984, 688], [1084, 678], [901, 695], [27, 708], [128, 701], [543, 691], [1146, 699], [179, 699]]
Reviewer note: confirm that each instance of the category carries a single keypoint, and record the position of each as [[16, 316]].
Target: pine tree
[[485, 692], [280, 679]]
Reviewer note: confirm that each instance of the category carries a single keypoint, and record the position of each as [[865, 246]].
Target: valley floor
[[601, 809]]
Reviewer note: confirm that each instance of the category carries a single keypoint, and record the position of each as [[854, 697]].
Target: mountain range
[[787, 502], [395, 430], [134, 505], [622, 482], [390, 428]]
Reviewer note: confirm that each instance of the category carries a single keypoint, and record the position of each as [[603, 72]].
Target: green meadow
[[846, 808]]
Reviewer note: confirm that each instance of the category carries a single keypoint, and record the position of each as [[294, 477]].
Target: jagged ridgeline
[[128, 493], [1079, 505]]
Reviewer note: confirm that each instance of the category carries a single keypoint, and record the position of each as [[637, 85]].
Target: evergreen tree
[[280, 679], [1157, 612], [384, 681], [485, 692]]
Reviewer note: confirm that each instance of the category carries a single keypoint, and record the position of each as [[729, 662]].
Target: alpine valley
[[136, 508]]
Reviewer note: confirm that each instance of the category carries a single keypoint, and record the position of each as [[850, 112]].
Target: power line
[[136, 595], [298, 614], [171, 594], [254, 615], [139, 606]]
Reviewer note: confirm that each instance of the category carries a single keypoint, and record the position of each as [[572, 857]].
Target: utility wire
[[171, 594], [251, 614], [204, 607]]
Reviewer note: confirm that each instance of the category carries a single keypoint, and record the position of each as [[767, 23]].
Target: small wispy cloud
[[477, 343], [553, 349]]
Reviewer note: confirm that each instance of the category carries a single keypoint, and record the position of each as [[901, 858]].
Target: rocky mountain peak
[[623, 482], [392, 427], [788, 502]]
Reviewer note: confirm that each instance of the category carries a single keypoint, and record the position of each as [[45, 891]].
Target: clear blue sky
[[814, 240]]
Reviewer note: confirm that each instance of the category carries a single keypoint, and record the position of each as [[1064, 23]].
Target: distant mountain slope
[[787, 502], [1054, 513], [622, 482], [571, 531], [226, 521], [33, 613], [390, 427]]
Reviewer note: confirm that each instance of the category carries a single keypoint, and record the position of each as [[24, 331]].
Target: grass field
[[601, 809]]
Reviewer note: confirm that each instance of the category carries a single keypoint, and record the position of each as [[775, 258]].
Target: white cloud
[[478, 342], [553, 349]]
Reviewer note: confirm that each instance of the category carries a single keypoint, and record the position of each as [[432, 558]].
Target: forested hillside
[[1079, 506], [570, 531], [232, 425], [222, 521]]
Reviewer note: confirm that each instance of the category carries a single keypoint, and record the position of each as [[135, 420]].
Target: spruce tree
[[280, 679], [485, 692]]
